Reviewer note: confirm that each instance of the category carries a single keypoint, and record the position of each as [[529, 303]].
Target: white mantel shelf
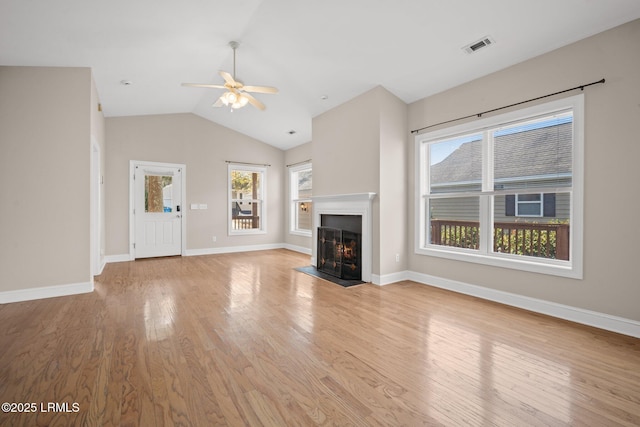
[[355, 197], [347, 204]]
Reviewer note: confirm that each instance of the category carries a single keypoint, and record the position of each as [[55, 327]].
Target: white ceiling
[[337, 48]]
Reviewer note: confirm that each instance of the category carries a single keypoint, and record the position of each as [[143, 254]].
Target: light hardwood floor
[[243, 339]]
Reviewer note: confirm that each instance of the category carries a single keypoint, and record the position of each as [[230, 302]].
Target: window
[[505, 190], [247, 199], [158, 193], [301, 189], [528, 205]]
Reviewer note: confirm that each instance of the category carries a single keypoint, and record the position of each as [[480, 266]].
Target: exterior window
[[247, 199], [506, 190], [528, 205], [301, 206], [158, 193]]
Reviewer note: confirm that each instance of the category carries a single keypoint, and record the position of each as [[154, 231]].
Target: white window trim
[[293, 202], [262, 198], [572, 268]]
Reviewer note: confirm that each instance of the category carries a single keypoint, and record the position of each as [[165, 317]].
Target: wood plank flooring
[[243, 339]]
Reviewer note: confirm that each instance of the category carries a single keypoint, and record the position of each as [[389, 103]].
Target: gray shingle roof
[[538, 152]]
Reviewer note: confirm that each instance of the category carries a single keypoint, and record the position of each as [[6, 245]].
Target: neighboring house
[[539, 157], [241, 207]]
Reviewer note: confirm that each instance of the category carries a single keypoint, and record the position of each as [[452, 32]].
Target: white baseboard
[[387, 279], [103, 263], [573, 314], [221, 250], [301, 249], [45, 292], [117, 258], [232, 249]]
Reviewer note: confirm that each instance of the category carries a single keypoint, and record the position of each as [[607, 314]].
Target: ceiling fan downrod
[[234, 45]]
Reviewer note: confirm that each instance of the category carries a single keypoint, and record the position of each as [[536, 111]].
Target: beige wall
[[393, 196], [611, 236], [292, 156], [45, 134], [359, 147], [346, 148], [203, 147]]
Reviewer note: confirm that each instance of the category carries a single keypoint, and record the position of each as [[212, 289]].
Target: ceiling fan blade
[[203, 85], [227, 78], [259, 105], [260, 89]]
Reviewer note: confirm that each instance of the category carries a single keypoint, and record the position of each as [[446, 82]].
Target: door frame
[[97, 255], [132, 195]]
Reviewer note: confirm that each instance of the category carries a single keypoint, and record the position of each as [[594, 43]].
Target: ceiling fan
[[237, 95]]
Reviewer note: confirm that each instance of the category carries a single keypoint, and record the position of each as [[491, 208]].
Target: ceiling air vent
[[476, 46]]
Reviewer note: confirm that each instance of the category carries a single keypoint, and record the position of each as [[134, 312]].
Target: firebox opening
[[343, 222], [339, 246]]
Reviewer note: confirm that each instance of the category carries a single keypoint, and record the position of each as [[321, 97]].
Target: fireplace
[[339, 249], [341, 212]]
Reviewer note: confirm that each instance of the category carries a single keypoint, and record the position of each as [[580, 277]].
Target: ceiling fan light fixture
[[228, 98], [240, 102], [234, 100]]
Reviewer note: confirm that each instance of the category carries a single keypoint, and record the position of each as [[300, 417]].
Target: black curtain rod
[[581, 87], [245, 163]]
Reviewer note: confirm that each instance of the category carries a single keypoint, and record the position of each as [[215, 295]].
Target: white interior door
[[157, 211]]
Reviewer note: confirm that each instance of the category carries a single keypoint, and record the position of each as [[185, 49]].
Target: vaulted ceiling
[[310, 50]]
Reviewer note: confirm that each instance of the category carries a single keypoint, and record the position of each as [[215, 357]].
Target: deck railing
[[245, 222], [538, 240]]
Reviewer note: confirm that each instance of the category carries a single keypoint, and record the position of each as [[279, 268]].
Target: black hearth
[[339, 252]]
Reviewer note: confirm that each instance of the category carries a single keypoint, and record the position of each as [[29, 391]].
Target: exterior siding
[[467, 209], [458, 208]]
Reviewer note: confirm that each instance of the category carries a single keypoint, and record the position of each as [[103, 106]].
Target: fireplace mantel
[[344, 198], [348, 204]]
